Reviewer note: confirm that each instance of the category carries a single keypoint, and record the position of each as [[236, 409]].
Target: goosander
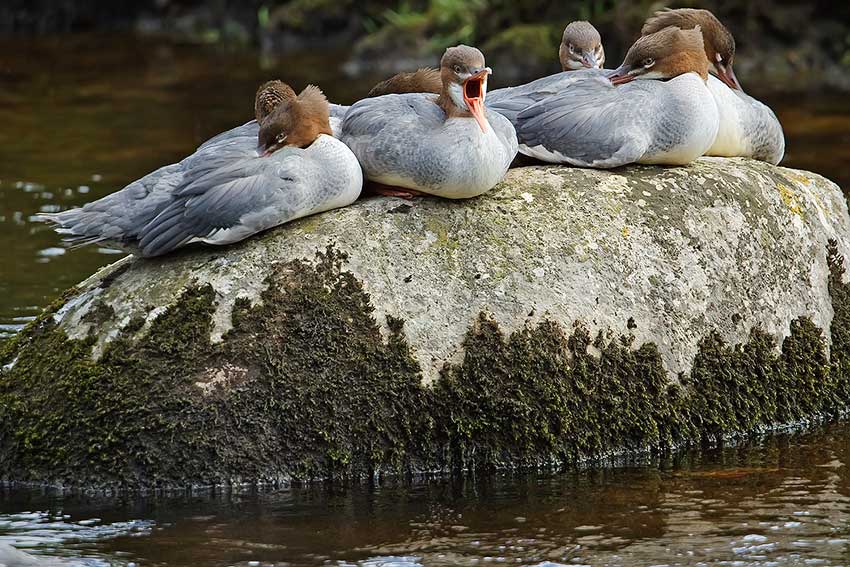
[[231, 187], [447, 145], [748, 128], [655, 108], [581, 47]]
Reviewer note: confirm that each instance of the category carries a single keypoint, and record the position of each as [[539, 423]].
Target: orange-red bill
[[473, 96], [727, 75], [620, 79]]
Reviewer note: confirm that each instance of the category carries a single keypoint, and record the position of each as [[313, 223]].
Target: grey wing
[[369, 116], [337, 114], [504, 131], [379, 129], [220, 153], [338, 110], [241, 197], [512, 100], [591, 124]]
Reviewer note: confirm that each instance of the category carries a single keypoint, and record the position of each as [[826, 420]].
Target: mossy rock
[[567, 314]]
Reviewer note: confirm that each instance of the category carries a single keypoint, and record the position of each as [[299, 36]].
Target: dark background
[[782, 45]]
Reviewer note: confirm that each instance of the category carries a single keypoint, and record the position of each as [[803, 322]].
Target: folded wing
[[231, 197], [591, 123]]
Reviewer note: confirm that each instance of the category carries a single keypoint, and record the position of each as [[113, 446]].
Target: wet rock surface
[[666, 255]]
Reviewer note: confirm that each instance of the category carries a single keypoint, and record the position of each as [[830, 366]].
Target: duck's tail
[[78, 227]]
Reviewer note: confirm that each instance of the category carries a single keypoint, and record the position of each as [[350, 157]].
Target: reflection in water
[[83, 116], [784, 501], [38, 532]]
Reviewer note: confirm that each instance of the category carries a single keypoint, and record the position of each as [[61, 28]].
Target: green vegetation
[[305, 386], [435, 24], [521, 33]]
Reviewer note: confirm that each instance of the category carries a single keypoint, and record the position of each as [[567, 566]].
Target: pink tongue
[[476, 107]]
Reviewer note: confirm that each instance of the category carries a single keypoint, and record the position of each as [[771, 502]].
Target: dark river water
[[781, 501], [83, 116]]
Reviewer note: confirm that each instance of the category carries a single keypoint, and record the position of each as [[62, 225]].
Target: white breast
[[455, 161], [748, 128], [475, 165], [731, 140], [340, 172], [687, 123]]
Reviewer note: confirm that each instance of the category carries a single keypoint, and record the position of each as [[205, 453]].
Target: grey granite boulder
[[654, 267]]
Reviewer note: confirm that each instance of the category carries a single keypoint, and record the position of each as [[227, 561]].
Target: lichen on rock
[[566, 315]]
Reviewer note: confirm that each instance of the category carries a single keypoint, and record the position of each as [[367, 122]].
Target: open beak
[[474, 90], [621, 76], [589, 60], [726, 74]]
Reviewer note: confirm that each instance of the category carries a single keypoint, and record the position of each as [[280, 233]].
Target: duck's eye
[[571, 48], [458, 69], [648, 62]]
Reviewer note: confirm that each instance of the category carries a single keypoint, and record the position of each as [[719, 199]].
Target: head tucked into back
[[271, 95], [464, 77], [664, 55], [719, 44], [425, 80], [581, 47], [289, 120]]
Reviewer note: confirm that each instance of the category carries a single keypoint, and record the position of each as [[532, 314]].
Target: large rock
[[564, 314]]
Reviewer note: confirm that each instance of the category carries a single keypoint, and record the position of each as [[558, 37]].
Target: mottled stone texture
[[566, 314]]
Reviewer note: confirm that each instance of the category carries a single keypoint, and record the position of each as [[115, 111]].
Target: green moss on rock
[[306, 386]]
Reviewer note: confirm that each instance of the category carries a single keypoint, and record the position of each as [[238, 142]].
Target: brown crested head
[[271, 95], [718, 41], [296, 123], [463, 74], [426, 80], [664, 55], [581, 47]]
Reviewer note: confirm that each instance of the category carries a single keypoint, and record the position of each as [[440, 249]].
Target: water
[[783, 501], [84, 116]]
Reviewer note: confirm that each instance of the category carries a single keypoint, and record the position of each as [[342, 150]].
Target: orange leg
[[375, 188]]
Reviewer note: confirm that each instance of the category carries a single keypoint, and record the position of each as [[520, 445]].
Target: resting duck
[[655, 108], [748, 128], [447, 145], [232, 187]]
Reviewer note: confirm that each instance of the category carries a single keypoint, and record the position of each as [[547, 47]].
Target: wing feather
[[233, 197]]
